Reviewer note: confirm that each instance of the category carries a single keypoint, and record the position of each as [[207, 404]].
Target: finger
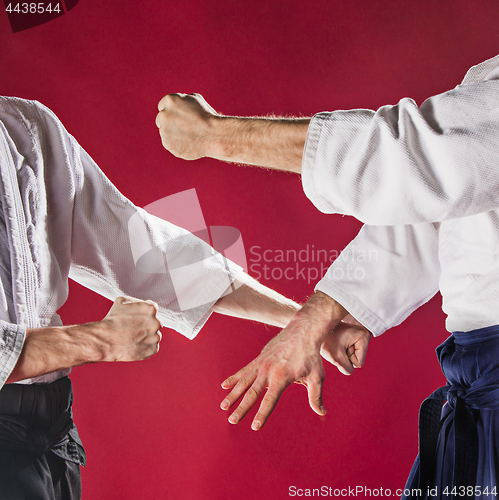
[[345, 367], [234, 379], [163, 102], [130, 303], [166, 101], [154, 342], [358, 352], [267, 406], [153, 338], [157, 328], [159, 117], [338, 357], [128, 300], [249, 400], [140, 308], [343, 363], [156, 310], [238, 390], [314, 388], [149, 301]]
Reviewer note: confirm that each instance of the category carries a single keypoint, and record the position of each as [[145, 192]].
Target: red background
[[153, 429]]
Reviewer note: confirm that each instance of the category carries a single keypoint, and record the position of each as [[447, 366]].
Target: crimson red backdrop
[[153, 429]]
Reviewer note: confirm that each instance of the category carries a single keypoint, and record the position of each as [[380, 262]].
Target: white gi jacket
[[62, 217], [426, 183]]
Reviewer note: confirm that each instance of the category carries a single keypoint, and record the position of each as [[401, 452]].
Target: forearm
[[56, 348], [129, 332], [274, 143], [190, 129], [254, 301]]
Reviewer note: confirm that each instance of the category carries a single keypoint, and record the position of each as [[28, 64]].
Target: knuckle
[[231, 398], [252, 393], [163, 102], [244, 381], [269, 399], [119, 300], [171, 99]]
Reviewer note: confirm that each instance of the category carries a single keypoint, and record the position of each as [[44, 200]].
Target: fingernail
[[224, 405], [323, 410], [255, 425], [233, 419]]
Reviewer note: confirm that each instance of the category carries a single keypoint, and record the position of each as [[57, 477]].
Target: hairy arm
[[190, 129], [129, 332], [254, 301]]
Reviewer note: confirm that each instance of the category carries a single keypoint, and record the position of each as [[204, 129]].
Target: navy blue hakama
[[459, 442]]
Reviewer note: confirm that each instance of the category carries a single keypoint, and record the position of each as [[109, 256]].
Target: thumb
[[314, 388]]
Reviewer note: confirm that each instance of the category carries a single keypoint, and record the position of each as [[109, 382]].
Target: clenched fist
[[130, 330], [186, 125]]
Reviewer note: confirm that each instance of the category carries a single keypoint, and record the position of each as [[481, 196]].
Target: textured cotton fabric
[[40, 450], [425, 180], [63, 217]]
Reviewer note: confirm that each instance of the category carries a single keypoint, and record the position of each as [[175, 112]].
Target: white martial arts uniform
[[426, 183], [62, 217]]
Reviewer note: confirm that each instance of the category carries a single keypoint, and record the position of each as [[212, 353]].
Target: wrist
[[220, 130], [90, 340], [267, 142], [320, 314]]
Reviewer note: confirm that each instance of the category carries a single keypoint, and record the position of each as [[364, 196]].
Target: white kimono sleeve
[[119, 249], [406, 165], [11, 343], [385, 274]]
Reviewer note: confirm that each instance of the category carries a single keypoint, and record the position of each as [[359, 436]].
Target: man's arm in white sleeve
[[402, 164], [406, 164], [119, 249]]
